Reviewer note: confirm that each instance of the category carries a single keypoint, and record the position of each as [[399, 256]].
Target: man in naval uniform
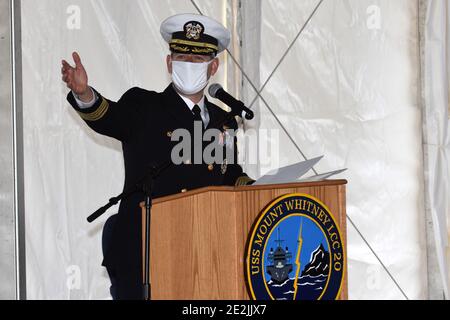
[[144, 122]]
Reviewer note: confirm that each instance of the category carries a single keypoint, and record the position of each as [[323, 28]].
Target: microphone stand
[[145, 185], [147, 188]]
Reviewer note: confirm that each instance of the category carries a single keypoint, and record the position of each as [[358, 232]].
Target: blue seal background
[[313, 236], [309, 288]]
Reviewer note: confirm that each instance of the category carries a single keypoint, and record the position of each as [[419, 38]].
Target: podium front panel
[[199, 238]]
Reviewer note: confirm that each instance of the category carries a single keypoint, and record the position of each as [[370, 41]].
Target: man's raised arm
[[114, 119]]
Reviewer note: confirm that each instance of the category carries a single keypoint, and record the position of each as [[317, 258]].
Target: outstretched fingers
[[66, 68], [66, 65], [77, 60], [75, 77]]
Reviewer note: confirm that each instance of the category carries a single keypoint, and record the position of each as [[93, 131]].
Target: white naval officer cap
[[195, 34]]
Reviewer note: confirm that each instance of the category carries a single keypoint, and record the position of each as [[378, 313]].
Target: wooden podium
[[198, 238]]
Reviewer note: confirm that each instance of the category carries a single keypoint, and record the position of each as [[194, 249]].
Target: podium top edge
[[249, 188]]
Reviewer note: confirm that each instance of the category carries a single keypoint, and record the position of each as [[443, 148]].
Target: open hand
[[76, 78]]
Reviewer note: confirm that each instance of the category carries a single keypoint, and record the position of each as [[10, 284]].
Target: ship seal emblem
[[295, 252]]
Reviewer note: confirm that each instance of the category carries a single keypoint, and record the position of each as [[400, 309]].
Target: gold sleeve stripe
[[242, 181], [194, 44], [97, 114]]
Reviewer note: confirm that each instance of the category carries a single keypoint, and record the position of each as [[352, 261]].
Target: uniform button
[[184, 190], [211, 167], [169, 134]]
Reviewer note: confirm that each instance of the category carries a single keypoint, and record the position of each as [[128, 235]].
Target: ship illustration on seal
[[280, 262]]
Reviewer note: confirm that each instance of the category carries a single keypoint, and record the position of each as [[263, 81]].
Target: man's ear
[[213, 67], [169, 63]]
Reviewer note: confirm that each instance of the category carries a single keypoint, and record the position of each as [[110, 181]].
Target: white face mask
[[188, 77]]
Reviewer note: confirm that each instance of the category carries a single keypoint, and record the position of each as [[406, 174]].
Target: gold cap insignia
[[193, 30]]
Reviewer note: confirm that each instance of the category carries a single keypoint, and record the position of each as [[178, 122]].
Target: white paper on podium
[[322, 176], [289, 173]]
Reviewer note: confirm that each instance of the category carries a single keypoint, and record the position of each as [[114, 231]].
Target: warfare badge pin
[[224, 166], [295, 252]]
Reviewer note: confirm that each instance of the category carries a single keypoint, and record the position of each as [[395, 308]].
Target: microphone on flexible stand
[[237, 107]]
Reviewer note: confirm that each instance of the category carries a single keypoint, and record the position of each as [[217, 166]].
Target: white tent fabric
[[346, 89], [71, 171], [436, 127]]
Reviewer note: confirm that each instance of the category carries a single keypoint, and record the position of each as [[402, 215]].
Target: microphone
[[237, 107]]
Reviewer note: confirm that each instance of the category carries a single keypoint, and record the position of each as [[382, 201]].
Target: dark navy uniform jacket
[[144, 122]]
